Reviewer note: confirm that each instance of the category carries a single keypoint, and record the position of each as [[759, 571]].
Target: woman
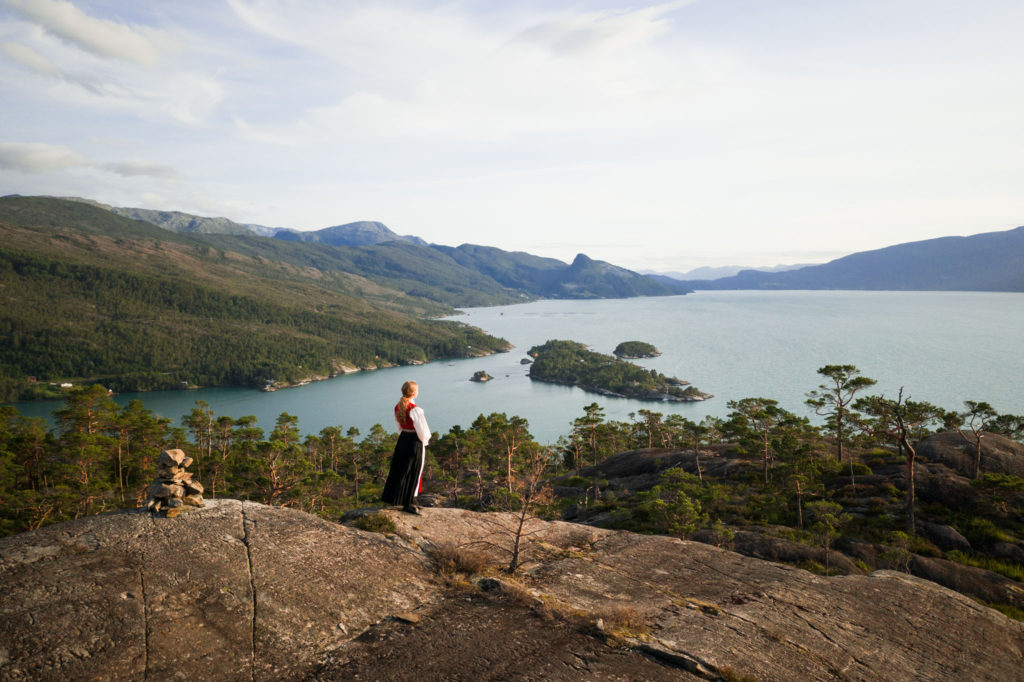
[[405, 480]]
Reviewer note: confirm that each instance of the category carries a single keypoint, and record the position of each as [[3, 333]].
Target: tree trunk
[[977, 455], [799, 504]]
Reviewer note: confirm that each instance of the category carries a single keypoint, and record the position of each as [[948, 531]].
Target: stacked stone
[[174, 487]]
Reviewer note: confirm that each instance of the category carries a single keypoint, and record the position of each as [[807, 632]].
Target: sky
[[659, 136]]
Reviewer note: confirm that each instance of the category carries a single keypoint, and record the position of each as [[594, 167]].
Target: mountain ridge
[[989, 261]]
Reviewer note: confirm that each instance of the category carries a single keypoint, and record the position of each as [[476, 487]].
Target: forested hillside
[[87, 294]]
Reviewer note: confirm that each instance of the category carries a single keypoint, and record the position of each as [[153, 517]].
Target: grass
[[451, 560], [1010, 569]]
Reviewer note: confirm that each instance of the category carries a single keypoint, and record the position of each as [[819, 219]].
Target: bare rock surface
[[235, 590], [714, 611], [999, 454], [238, 590]]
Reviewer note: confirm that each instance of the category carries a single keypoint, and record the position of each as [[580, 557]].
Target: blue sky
[[656, 136]]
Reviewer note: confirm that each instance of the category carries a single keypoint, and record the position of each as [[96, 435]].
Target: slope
[[992, 261], [277, 594], [88, 294]]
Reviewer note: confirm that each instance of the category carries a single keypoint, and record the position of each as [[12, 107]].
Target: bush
[[376, 523], [451, 559]]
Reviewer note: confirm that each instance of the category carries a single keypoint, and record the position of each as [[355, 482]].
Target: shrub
[[376, 523], [451, 559]]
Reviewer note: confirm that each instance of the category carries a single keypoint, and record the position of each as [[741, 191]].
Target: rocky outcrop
[[268, 593], [999, 454]]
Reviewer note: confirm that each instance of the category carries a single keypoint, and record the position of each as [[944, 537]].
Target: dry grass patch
[[450, 560], [625, 619]]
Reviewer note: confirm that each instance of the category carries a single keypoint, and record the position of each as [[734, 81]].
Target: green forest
[[572, 363], [635, 349], [89, 296], [853, 494]]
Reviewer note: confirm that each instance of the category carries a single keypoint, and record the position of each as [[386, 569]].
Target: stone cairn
[[174, 487]]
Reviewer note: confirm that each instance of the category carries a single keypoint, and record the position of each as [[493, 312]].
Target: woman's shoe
[[411, 509]]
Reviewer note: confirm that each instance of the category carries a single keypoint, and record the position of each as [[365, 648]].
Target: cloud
[[109, 39], [37, 158], [131, 169], [30, 59], [34, 157], [413, 73], [608, 30]]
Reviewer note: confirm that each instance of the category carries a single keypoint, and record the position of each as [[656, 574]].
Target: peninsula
[[573, 364]]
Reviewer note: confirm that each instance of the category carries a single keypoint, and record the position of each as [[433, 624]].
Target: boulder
[[945, 537], [999, 454], [1009, 551], [171, 458]]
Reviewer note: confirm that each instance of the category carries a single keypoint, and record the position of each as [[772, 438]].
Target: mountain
[[469, 275], [708, 272], [217, 308], [176, 221], [273, 593], [362, 233], [992, 261], [88, 294], [551, 278]]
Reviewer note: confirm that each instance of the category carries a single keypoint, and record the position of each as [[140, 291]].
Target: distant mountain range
[[717, 272], [993, 261], [361, 233]]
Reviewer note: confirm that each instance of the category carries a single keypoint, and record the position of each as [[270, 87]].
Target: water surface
[[944, 347]]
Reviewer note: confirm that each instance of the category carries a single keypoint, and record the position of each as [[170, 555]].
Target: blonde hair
[[409, 389]]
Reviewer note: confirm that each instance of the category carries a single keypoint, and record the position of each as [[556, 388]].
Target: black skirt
[[406, 469]]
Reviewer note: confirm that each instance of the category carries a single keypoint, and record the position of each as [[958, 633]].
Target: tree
[[649, 427], [975, 419], [1009, 425], [826, 520], [832, 400], [904, 421], [200, 422], [531, 489], [760, 416], [283, 461]]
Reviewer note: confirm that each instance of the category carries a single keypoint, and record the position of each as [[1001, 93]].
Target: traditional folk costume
[[405, 480]]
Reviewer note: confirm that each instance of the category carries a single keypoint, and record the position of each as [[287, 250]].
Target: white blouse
[[419, 422]]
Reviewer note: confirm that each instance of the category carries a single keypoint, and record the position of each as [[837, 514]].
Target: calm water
[[944, 347]]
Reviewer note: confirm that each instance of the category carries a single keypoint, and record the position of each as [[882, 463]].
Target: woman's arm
[[419, 422]]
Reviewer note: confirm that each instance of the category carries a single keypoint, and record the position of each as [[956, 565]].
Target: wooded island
[[572, 363]]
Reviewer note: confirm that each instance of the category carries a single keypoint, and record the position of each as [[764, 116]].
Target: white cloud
[[37, 158], [29, 58], [592, 32], [408, 73], [130, 169], [139, 45]]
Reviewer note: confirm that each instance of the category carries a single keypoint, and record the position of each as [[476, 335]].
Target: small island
[[635, 350], [573, 364], [481, 376]]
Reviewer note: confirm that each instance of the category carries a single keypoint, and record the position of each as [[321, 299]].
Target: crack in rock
[[252, 586]]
